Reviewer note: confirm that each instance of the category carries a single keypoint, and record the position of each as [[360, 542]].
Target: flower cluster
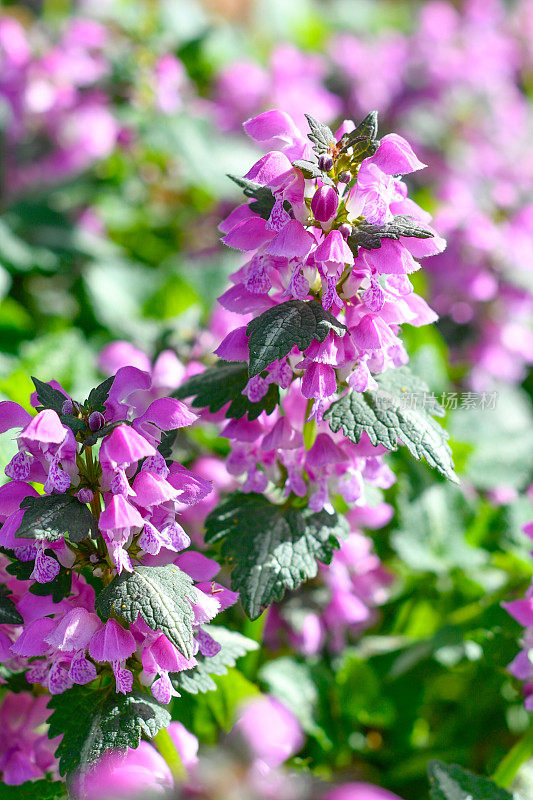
[[272, 451], [99, 461], [346, 236], [456, 84], [53, 102]]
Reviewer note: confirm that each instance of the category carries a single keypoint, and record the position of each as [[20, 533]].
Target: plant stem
[[310, 428], [165, 745], [253, 629], [521, 752]]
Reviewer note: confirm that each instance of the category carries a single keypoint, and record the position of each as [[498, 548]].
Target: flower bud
[[345, 177], [325, 203], [345, 230], [67, 407], [325, 162], [96, 421], [85, 495]]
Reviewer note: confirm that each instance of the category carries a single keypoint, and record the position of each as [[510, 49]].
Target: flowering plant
[[312, 383], [103, 603], [363, 633]]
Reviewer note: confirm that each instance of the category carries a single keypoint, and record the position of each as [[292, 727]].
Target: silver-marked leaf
[[278, 330], [310, 169], [271, 549], [161, 595], [398, 412], [50, 517], [93, 721], [321, 136], [223, 384], [450, 782], [8, 611]]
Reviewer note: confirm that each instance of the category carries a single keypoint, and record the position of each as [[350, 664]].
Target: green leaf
[[35, 790], [20, 569], [233, 646], [54, 399], [369, 236], [450, 782], [98, 395], [367, 129], [8, 612], [167, 443], [321, 136], [59, 588], [48, 396], [293, 323], [92, 721], [50, 517], [160, 595], [362, 140], [391, 416], [101, 432], [431, 535], [310, 169], [224, 384], [292, 683], [271, 548], [263, 198]]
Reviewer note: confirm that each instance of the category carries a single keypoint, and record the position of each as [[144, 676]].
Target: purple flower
[[111, 643], [325, 203]]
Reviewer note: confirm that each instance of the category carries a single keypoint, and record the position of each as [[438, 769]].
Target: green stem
[[168, 750], [310, 428], [508, 768], [253, 629]]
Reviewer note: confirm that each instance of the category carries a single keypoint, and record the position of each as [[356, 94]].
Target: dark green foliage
[[450, 782], [54, 399], [51, 517], [98, 396], [271, 548], [263, 199], [223, 384], [362, 140], [293, 323], [59, 588], [35, 790], [160, 595], [93, 720], [390, 416], [369, 236], [8, 612]]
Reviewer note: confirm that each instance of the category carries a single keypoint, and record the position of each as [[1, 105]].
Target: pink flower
[[111, 643], [395, 156], [325, 203], [25, 754], [360, 791], [271, 732]]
